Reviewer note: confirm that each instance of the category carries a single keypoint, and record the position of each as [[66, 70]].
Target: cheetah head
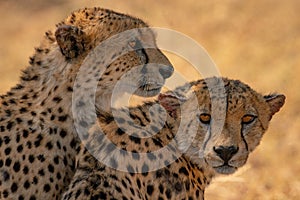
[[112, 46], [223, 122]]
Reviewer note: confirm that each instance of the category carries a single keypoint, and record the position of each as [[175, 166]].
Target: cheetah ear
[[275, 101], [71, 40], [171, 103]]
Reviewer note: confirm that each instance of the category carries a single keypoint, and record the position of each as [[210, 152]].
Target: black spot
[[161, 188], [5, 175], [145, 169], [113, 163], [49, 145], [151, 156], [18, 138], [130, 169], [50, 168], [154, 129], [47, 187], [10, 125], [31, 158], [56, 160], [124, 184], [29, 122], [25, 170], [35, 180], [26, 185], [73, 143], [166, 162], [150, 189], [197, 193], [8, 113], [118, 189], [57, 99], [83, 124], [33, 113], [16, 166], [63, 118], [106, 184], [58, 176], [135, 139], [23, 110], [168, 193], [14, 187], [65, 161], [28, 144], [25, 133], [138, 182], [86, 191], [7, 151], [199, 181], [63, 133], [19, 120], [110, 147], [132, 191], [52, 117], [5, 193], [39, 138], [157, 142], [32, 197], [6, 139], [183, 170], [159, 173], [102, 195], [120, 131], [41, 172], [187, 185], [78, 192], [135, 155], [178, 186], [70, 89]]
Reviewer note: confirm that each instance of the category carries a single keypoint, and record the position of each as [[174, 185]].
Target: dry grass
[[255, 41]]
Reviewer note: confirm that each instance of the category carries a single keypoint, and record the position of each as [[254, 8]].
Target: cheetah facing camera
[[117, 161], [38, 141]]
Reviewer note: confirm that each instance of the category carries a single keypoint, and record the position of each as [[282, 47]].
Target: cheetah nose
[[166, 71], [226, 152]]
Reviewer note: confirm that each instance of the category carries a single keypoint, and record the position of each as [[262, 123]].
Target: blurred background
[[255, 41]]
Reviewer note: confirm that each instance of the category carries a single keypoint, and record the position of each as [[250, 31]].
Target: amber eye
[[205, 118], [247, 119]]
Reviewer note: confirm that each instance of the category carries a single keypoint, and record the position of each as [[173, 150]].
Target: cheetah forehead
[[233, 93], [88, 18]]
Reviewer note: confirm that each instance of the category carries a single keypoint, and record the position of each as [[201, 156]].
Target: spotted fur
[[38, 139], [121, 158]]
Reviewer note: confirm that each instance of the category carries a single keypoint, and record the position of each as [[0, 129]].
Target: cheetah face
[[228, 141], [144, 73], [227, 125], [110, 47]]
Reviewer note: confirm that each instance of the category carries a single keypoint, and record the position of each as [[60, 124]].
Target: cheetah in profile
[[173, 147], [38, 140]]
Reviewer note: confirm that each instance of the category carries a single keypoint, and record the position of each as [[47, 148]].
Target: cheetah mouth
[[148, 90], [225, 169]]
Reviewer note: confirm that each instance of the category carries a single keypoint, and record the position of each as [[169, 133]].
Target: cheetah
[[38, 141], [207, 127]]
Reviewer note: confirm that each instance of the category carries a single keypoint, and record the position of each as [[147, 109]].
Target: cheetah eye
[[205, 118], [132, 43], [248, 119]]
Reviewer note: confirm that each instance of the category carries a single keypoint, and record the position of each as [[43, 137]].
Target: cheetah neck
[[112, 125]]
